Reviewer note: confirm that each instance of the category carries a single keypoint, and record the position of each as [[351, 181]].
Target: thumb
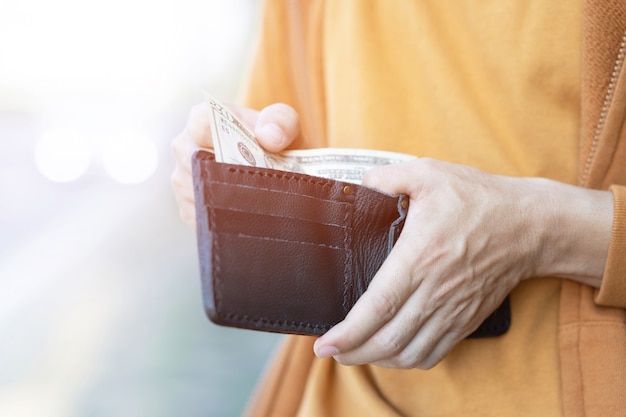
[[277, 126], [406, 177], [386, 178]]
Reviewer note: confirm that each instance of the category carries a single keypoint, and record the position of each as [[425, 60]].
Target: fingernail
[[271, 133], [326, 352]]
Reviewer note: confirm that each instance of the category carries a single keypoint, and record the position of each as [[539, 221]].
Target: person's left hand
[[468, 240]]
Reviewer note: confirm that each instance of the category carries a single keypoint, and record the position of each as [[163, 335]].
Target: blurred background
[[100, 304]]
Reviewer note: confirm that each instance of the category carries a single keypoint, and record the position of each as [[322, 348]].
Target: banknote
[[234, 143], [345, 164]]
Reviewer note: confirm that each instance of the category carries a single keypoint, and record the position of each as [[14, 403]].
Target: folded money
[[234, 143]]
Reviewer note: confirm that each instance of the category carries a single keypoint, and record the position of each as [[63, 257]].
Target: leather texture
[[291, 253]]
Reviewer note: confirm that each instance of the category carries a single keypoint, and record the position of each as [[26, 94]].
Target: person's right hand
[[275, 127]]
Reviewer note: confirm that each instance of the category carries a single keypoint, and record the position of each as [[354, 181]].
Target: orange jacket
[[592, 339], [592, 324]]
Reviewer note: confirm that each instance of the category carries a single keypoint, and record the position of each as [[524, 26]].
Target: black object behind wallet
[[291, 253]]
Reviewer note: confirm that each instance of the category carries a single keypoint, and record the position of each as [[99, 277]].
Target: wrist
[[575, 227]]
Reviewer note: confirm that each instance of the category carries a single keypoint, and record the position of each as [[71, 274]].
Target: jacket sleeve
[[612, 292]]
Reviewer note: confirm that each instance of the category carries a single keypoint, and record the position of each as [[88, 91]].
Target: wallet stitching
[[217, 294], [235, 210], [246, 186], [348, 269], [275, 324], [286, 176], [273, 239], [334, 203]]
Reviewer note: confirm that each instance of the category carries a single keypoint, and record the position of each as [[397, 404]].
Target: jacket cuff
[[612, 292]]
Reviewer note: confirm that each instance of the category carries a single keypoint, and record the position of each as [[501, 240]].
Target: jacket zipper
[[619, 63]]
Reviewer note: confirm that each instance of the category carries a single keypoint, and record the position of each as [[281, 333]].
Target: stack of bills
[[234, 143]]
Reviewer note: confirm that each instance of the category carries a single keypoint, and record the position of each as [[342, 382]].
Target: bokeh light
[[62, 155], [129, 158]]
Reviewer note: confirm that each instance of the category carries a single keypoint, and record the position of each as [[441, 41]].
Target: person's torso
[[490, 84]]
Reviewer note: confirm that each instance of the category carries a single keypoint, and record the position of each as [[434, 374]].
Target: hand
[[468, 240], [275, 127]]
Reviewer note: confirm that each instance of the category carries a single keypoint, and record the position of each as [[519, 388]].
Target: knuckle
[[410, 358], [391, 345], [384, 305]]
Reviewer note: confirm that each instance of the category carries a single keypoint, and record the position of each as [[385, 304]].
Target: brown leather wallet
[[291, 253]]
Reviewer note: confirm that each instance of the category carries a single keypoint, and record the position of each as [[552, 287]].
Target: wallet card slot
[[251, 199], [278, 228], [279, 285]]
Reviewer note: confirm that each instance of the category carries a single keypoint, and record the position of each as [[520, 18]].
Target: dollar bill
[[345, 164], [234, 143]]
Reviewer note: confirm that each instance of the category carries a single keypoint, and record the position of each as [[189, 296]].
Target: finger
[[440, 351], [387, 345], [277, 126], [381, 302], [428, 344], [393, 178], [432, 342], [184, 194], [188, 215], [246, 115], [182, 184], [183, 148], [199, 126], [436, 337]]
